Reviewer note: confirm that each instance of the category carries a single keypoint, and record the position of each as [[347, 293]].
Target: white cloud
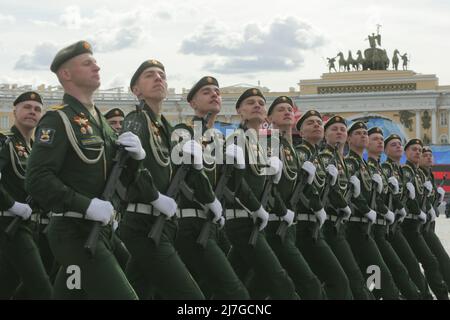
[[7, 18], [39, 59], [279, 45]]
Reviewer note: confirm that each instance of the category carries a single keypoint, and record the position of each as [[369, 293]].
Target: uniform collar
[[354, 154], [412, 165], [19, 135]]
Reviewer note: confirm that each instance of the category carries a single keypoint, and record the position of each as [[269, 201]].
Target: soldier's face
[[82, 71], [253, 109], [151, 84], [426, 159], [376, 143], [358, 139], [116, 123], [394, 149], [207, 99], [413, 153], [28, 113], [282, 115], [335, 133], [312, 129]]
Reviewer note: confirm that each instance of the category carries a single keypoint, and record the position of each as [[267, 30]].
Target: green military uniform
[[397, 239], [209, 265], [431, 238], [68, 167], [259, 259], [380, 229], [336, 235], [411, 229], [363, 245], [307, 284], [154, 267], [318, 253], [20, 254]]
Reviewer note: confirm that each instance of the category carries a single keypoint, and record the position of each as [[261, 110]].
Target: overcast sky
[[277, 42]]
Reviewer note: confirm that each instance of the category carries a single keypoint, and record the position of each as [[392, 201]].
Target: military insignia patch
[[83, 122], [21, 150], [45, 136]]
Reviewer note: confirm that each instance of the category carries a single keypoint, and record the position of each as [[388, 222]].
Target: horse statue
[[395, 60], [351, 62], [405, 61], [342, 62], [385, 60], [359, 60]]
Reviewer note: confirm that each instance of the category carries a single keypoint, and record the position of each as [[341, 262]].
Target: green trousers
[[209, 266], [435, 245], [260, 260], [100, 276], [323, 262], [398, 270], [337, 241], [156, 269], [367, 254], [21, 262], [409, 259], [426, 257], [307, 284]]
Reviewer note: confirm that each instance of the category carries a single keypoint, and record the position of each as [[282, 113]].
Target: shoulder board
[[6, 133], [57, 107], [181, 132]]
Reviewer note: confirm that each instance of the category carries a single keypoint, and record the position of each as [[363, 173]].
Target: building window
[[4, 122], [443, 118], [443, 139]]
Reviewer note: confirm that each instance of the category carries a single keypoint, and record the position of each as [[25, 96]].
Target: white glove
[[276, 166], [379, 181], [371, 216], [132, 144], [394, 183], [428, 186], [100, 210], [347, 212], [441, 192], [389, 217], [310, 168], [422, 217], [432, 214], [411, 190], [235, 152], [20, 209], [194, 150], [441, 208], [289, 217], [321, 216], [166, 205], [333, 172], [0, 175], [356, 186], [216, 208], [220, 222], [263, 215], [402, 213]]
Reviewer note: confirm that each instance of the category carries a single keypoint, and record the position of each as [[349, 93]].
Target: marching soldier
[[115, 118], [154, 266], [334, 228], [385, 205], [21, 256], [436, 199], [359, 232], [391, 167], [281, 116], [418, 189], [209, 265], [311, 216], [70, 162], [245, 212]]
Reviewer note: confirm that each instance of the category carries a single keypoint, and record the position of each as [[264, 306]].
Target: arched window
[[443, 139]]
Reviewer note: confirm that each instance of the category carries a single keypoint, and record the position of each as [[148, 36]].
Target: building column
[[417, 125], [448, 125], [433, 127]]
